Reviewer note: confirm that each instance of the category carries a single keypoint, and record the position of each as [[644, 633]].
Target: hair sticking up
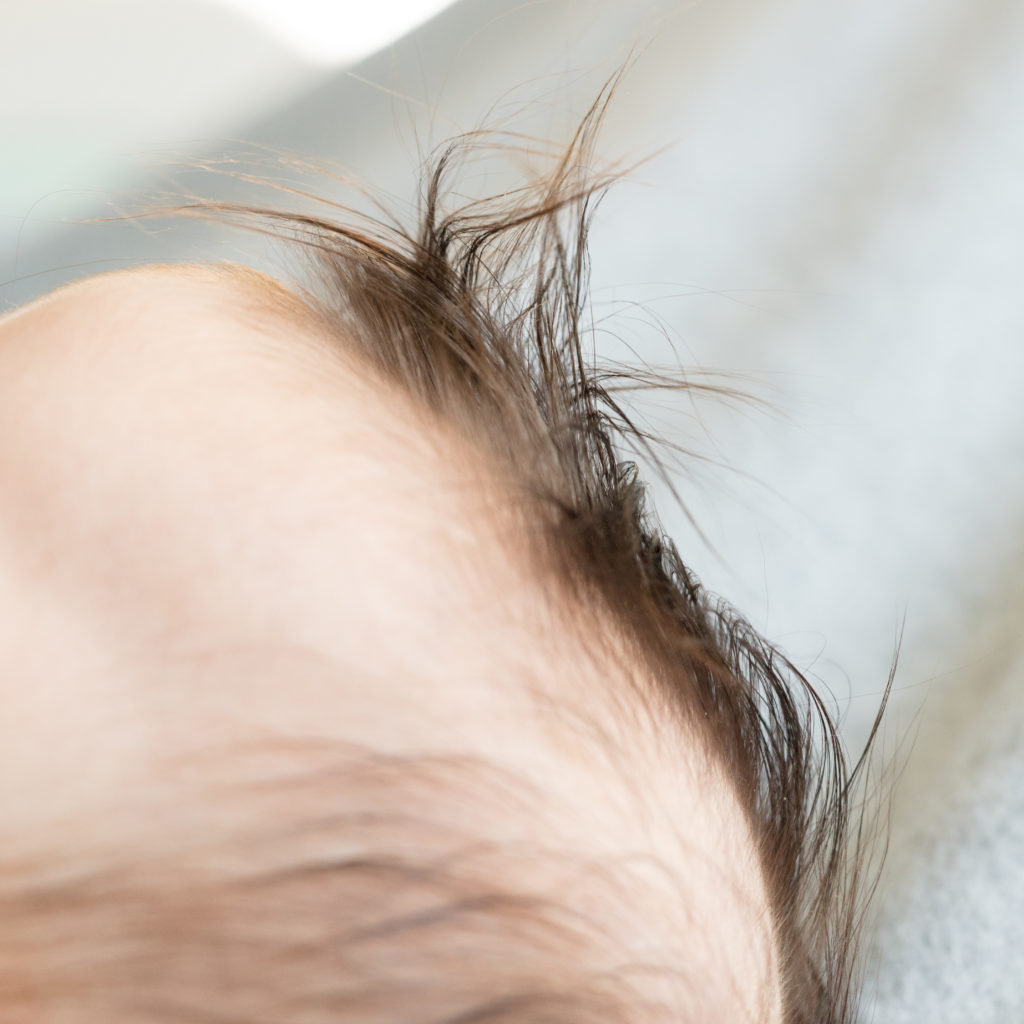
[[478, 311]]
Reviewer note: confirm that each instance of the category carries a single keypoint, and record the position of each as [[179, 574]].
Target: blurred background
[[834, 216]]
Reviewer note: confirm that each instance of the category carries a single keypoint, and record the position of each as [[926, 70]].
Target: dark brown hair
[[477, 313]]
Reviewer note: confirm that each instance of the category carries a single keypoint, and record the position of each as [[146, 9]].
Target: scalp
[[258, 541]]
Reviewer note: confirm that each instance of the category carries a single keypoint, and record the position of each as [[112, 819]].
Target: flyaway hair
[[479, 313]]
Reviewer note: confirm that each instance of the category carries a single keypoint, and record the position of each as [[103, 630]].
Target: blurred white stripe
[[337, 31]]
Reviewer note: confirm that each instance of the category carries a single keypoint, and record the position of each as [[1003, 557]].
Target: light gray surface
[[841, 219], [87, 90], [949, 938]]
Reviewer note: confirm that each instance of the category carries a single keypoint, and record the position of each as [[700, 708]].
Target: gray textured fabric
[[949, 935]]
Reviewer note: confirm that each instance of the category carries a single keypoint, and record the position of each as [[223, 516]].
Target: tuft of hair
[[478, 313]]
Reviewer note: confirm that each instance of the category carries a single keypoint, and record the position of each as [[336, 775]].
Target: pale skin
[[216, 524]]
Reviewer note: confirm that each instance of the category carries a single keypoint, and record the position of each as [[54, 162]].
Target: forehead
[[216, 521], [176, 405], [189, 470], [206, 495]]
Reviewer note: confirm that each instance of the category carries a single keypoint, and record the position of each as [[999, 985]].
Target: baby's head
[[346, 677]]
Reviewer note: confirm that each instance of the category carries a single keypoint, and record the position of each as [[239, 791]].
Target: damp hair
[[478, 313]]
